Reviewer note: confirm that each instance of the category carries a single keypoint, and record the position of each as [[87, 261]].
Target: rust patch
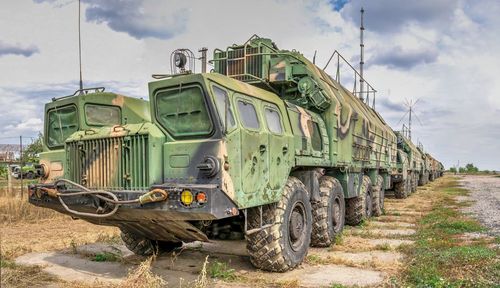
[[118, 100]]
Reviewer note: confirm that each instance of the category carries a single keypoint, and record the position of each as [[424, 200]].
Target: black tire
[[378, 196], [145, 247], [413, 182], [329, 213], [360, 207], [280, 247], [421, 179], [400, 189]]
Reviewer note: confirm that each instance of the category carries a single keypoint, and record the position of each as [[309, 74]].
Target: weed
[[106, 257], [143, 277], [339, 239], [221, 270], [313, 259], [202, 281], [383, 247]]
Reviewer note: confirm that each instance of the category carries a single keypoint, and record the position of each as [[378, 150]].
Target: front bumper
[[166, 220]]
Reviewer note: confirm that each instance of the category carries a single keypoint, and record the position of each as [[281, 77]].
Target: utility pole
[[361, 59], [21, 164]]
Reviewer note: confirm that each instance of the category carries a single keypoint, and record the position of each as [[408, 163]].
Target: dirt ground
[[485, 195], [67, 249]]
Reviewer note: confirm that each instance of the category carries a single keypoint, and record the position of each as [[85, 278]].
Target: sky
[[442, 54]]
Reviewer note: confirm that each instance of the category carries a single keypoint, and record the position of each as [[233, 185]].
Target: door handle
[[285, 150], [262, 148]]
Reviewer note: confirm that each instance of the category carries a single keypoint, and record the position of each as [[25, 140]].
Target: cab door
[[279, 146], [254, 149]]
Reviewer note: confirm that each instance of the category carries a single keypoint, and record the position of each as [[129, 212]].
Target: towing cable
[[155, 195]]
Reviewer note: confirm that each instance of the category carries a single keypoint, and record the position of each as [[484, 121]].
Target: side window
[[248, 115], [273, 120], [316, 139], [224, 107], [62, 122]]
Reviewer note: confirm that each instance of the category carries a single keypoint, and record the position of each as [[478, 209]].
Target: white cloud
[[453, 42]]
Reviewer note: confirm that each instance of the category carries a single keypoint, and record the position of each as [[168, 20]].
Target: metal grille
[[110, 163], [242, 63]]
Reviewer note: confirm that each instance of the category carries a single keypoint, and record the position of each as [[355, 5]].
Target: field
[[423, 241]]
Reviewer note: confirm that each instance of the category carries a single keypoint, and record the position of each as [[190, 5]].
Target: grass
[[383, 247], [221, 270], [14, 275], [106, 257], [14, 206], [440, 257]]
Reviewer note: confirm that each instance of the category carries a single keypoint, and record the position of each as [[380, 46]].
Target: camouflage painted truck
[[424, 173], [267, 146], [407, 184], [435, 167], [86, 110]]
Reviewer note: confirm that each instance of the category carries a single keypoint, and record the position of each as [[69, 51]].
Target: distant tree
[[470, 168], [462, 170], [453, 170], [30, 153]]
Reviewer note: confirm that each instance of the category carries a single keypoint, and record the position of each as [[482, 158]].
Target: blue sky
[[445, 53]]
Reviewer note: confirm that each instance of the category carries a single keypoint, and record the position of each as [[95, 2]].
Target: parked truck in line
[[268, 146]]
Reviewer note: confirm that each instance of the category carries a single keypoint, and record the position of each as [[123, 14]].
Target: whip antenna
[[80, 46]]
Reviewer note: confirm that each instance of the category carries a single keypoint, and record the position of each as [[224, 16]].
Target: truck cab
[[85, 110]]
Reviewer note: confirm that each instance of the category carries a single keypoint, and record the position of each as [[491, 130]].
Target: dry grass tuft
[[143, 277], [202, 280], [14, 208], [14, 275]]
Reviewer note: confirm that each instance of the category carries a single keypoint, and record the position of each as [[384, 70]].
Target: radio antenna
[[361, 58], [80, 45]]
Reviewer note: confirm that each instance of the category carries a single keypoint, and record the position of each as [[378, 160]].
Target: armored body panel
[[358, 137]]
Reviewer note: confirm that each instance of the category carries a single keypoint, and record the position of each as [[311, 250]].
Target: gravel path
[[485, 191]]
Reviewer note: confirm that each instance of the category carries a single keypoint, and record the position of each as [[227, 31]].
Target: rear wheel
[[378, 196], [145, 247], [329, 213], [283, 245], [360, 208], [400, 189], [415, 183]]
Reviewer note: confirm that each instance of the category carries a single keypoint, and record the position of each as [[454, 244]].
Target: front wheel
[[283, 245], [145, 247]]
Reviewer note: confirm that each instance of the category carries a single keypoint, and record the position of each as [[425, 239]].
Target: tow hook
[[155, 195]]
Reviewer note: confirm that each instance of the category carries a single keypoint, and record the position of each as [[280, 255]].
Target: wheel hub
[[296, 226]]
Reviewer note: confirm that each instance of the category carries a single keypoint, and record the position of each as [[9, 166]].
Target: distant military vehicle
[[267, 146]]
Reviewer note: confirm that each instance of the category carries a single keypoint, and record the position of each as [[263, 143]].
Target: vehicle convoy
[[267, 146], [86, 110]]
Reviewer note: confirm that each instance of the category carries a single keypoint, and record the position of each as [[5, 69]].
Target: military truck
[[267, 145], [85, 110], [414, 166], [424, 173]]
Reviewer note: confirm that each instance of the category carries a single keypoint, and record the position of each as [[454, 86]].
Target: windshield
[[183, 111], [62, 122], [102, 115]]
